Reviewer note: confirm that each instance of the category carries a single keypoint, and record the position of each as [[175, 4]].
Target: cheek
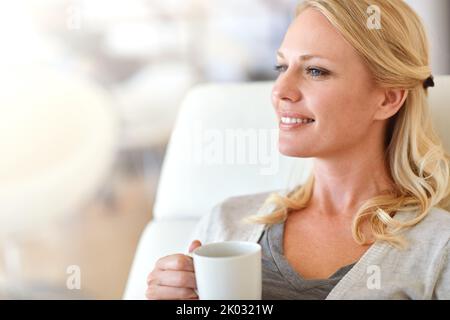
[[340, 116]]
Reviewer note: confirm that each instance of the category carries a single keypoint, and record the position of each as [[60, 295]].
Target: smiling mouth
[[287, 123], [287, 120]]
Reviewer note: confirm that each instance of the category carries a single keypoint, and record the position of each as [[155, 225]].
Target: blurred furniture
[[58, 139], [436, 18], [193, 181], [148, 101]]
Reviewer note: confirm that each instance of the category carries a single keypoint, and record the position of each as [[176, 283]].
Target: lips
[[295, 115], [293, 120]]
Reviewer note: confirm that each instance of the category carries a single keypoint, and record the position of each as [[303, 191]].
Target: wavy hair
[[398, 56]]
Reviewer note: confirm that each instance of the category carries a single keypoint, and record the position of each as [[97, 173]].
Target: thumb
[[194, 245]]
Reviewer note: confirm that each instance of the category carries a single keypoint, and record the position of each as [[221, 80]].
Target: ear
[[392, 101]]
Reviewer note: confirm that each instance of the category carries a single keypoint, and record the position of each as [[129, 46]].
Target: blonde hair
[[397, 55]]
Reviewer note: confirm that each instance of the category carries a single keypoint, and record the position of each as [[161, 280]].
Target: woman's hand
[[173, 277]]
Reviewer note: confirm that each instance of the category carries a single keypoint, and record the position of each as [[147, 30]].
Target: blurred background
[[90, 92]]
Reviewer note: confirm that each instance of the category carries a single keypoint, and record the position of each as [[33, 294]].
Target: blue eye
[[280, 68], [312, 71], [316, 72]]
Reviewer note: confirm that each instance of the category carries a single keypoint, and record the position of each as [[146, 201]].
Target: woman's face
[[324, 84]]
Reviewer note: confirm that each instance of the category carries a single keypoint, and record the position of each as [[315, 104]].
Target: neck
[[343, 183]]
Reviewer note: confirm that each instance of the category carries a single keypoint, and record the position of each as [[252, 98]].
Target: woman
[[368, 223]]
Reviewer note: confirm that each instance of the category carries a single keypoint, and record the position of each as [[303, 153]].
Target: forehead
[[311, 33]]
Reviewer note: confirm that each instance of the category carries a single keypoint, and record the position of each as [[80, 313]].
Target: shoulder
[[436, 225], [243, 205], [224, 221], [438, 216], [432, 234], [230, 212]]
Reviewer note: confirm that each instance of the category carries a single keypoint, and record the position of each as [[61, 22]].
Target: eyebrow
[[304, 57]]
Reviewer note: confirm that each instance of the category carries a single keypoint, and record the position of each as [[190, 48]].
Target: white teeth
[[288, 120]]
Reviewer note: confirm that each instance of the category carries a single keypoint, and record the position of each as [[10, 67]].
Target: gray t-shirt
[[281, 281]]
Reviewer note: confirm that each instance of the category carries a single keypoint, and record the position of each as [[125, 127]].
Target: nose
[[286, 89]]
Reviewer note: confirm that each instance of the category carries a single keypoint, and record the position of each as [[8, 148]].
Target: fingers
[[169, 278], [170, 293], [173, 277], [175, 262], [195, 244]]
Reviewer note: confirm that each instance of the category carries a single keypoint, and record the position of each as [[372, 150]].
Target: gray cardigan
[[421, 271]]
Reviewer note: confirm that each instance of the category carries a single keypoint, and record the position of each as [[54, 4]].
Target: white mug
[[229, 270]]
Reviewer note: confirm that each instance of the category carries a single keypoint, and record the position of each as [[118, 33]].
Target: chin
[[294, 152]]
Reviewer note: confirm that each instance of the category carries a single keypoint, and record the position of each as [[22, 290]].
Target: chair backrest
[[225, 144]]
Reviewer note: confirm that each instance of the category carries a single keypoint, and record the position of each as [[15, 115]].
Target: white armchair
[[218, 124]]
